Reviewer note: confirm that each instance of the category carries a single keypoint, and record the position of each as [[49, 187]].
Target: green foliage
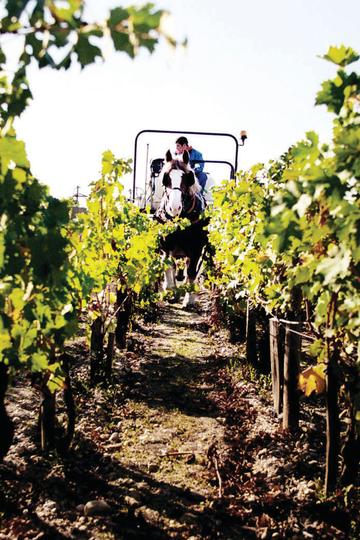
[[246, 261], [341, 56], [54, 34], [344, 88], [47, 271], [36, 305], [52, 270], [295, 225], [115, 246]]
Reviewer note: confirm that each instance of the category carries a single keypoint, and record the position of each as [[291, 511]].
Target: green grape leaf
[[332, 93], [12, 150], [341, 56], [86, 52], [117, 15], [122, 42]]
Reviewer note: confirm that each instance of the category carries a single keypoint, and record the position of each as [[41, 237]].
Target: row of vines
[[58, 271], [285, 241]]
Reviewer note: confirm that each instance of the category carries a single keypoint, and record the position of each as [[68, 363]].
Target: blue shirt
[[195, 154]]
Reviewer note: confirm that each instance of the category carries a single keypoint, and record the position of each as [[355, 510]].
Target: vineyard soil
[[180, 445]]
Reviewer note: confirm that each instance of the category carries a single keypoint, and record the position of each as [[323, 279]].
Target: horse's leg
[[192, 270], [189, 298], [180, 271], [169, 278]]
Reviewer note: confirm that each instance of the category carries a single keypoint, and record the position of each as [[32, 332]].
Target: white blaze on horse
[[182, 198]]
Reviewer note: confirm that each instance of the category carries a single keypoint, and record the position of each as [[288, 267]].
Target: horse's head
[[179, 182]]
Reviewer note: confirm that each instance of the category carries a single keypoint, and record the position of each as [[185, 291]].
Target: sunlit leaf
[[313, 379], [342, 56]]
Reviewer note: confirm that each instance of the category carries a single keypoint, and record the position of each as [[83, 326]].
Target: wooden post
[[47, 418], [109, 354], [96, 349], [264, 342], [124, 299], [332, 423], [291, 375], [251, 354], [68, 397], [6, 425], [277, 364], [350, 451]]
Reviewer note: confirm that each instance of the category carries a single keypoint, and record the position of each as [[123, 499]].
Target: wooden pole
[[350, 451], [47, 410], [109, 354], [277, 364], [47, 418], [332, 423], [96, 349], [264, 342], [291, 375], [6, 425], [69, 401], [251, 354], [123, 318]]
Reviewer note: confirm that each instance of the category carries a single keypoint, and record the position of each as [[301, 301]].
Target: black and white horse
[[182, 198]]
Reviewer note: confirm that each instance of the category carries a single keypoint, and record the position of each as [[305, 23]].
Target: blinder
[[189, 179], [166, 180]]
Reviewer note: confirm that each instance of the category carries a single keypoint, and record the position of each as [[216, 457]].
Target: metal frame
[[233, 167], [219, 161]]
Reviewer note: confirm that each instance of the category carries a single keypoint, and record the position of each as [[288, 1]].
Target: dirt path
[[171, 422], [141, 445], [176, 447]]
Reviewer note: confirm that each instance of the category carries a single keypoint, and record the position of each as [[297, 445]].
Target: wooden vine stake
[[64, 443], [6, 425], [109, 354], [47, 417], [264, 343], [332, 405], [96, 349], [332, 422], [277, 364], [251, 355], [125, 301], [291, 375]]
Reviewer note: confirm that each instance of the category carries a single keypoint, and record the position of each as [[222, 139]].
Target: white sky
[[249, 64]]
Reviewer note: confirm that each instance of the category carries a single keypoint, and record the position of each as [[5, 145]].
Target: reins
[[188, 211]]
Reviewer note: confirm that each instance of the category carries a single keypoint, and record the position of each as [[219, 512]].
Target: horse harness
[[193, 206]]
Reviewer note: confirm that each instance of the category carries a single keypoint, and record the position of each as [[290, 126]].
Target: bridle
[[189, 204], [193, 203]]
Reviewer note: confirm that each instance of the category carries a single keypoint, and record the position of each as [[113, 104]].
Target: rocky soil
[[182, 444]]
